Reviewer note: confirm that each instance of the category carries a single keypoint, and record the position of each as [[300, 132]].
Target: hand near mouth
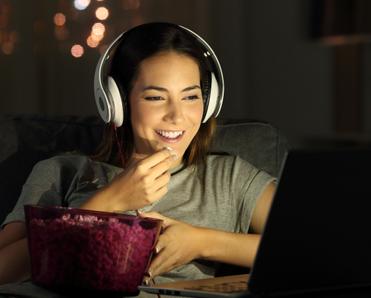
[[143, 182]]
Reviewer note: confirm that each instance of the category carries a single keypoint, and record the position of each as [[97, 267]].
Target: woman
[[213, 207]]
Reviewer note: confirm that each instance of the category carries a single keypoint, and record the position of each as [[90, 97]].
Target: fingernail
[[173, 153], [146, 281]]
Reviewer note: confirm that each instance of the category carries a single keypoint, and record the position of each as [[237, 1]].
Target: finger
[[159, 169], [152, 214], [158, 194], [160, 244], [156, 158], [167, 221], [163, 262], [161, 181]]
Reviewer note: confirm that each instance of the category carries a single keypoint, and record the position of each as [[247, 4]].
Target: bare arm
[[12, 232], [262, 208], [216, 245], [14, 257], [240, 249]]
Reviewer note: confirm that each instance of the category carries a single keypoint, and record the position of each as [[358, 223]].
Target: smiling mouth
[[170, 135]]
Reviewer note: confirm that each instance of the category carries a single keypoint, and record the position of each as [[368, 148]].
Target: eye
[[153, 98], [192, 97]]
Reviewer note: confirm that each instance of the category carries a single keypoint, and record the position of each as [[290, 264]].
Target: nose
[[174, 112]]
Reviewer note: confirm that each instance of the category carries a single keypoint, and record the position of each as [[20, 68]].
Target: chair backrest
[[27, 139], [258, 142]]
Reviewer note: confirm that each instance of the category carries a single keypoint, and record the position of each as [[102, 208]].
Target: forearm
[[99, 201], [14, 262], [231, 248], [11, 233], [106, 200]]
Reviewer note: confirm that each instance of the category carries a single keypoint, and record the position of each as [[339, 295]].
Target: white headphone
[[109, 100]]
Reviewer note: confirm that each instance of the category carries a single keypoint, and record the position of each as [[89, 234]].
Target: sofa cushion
[[25, 140], [258, 142]]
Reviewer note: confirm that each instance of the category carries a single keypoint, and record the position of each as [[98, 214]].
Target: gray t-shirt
[[221, 194]]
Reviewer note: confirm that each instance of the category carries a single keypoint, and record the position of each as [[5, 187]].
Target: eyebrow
[[151, 87]]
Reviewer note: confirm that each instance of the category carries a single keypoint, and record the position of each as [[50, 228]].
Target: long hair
[[140, 43]]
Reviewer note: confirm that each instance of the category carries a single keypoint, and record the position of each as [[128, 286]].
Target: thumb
[[167, 221]]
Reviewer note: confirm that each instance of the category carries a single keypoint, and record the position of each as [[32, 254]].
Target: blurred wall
[[366, 88], [274, 70]]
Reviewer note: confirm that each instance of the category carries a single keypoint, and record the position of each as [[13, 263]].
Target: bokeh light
[[59, 19], [81, 4], [98, 29], [91, 42], [102, 13], [97, 32], [7, 47], [77, 51]]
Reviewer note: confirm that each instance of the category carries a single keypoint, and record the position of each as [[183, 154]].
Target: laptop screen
[[317, 233]]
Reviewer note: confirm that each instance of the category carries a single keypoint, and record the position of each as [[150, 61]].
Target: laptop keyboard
[[230, 287]]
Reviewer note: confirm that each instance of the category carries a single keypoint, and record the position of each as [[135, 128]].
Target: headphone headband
[[217, 77], [109, 100]]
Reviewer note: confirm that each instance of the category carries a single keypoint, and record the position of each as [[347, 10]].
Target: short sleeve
[[250, 191], [48, 184], [41, 179]]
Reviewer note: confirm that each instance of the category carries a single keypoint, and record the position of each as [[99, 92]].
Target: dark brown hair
[[138, 44]]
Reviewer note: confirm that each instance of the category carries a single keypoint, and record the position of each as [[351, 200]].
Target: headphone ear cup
[[212, 104], [205, 87], [103, 105], [116, 102]]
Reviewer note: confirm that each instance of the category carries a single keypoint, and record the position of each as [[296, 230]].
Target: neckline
[[177, 169]]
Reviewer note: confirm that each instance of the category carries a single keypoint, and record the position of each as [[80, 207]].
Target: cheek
[[195, 112], [141, 115]]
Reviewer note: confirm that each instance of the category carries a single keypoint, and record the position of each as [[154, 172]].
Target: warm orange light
[[98, 29], [59, 19], [91, 42], [96, 38], [7, 47], [102, 13], [77, 51]]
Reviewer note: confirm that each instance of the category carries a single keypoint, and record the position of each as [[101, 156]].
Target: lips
[[170, 135]]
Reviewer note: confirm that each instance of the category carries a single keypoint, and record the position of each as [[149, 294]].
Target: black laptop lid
[[318, 231]]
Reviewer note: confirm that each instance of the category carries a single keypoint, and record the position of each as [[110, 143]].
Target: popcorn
[[83, 251]]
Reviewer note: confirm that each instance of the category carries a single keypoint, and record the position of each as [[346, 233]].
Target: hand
[[144, 181], [178, 244]]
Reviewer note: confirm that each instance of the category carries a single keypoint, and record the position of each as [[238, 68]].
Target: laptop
[[317, 235]]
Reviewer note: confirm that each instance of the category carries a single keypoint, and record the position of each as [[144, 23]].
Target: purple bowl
[[77, 249]]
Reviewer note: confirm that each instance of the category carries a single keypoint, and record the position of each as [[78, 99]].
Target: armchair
[[27, 139]]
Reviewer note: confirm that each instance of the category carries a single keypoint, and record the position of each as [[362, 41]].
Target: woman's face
[[166, 103]]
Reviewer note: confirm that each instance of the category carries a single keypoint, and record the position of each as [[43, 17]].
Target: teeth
[[170, 134]]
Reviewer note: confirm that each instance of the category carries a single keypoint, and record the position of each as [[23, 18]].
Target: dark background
[[303, 66]]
